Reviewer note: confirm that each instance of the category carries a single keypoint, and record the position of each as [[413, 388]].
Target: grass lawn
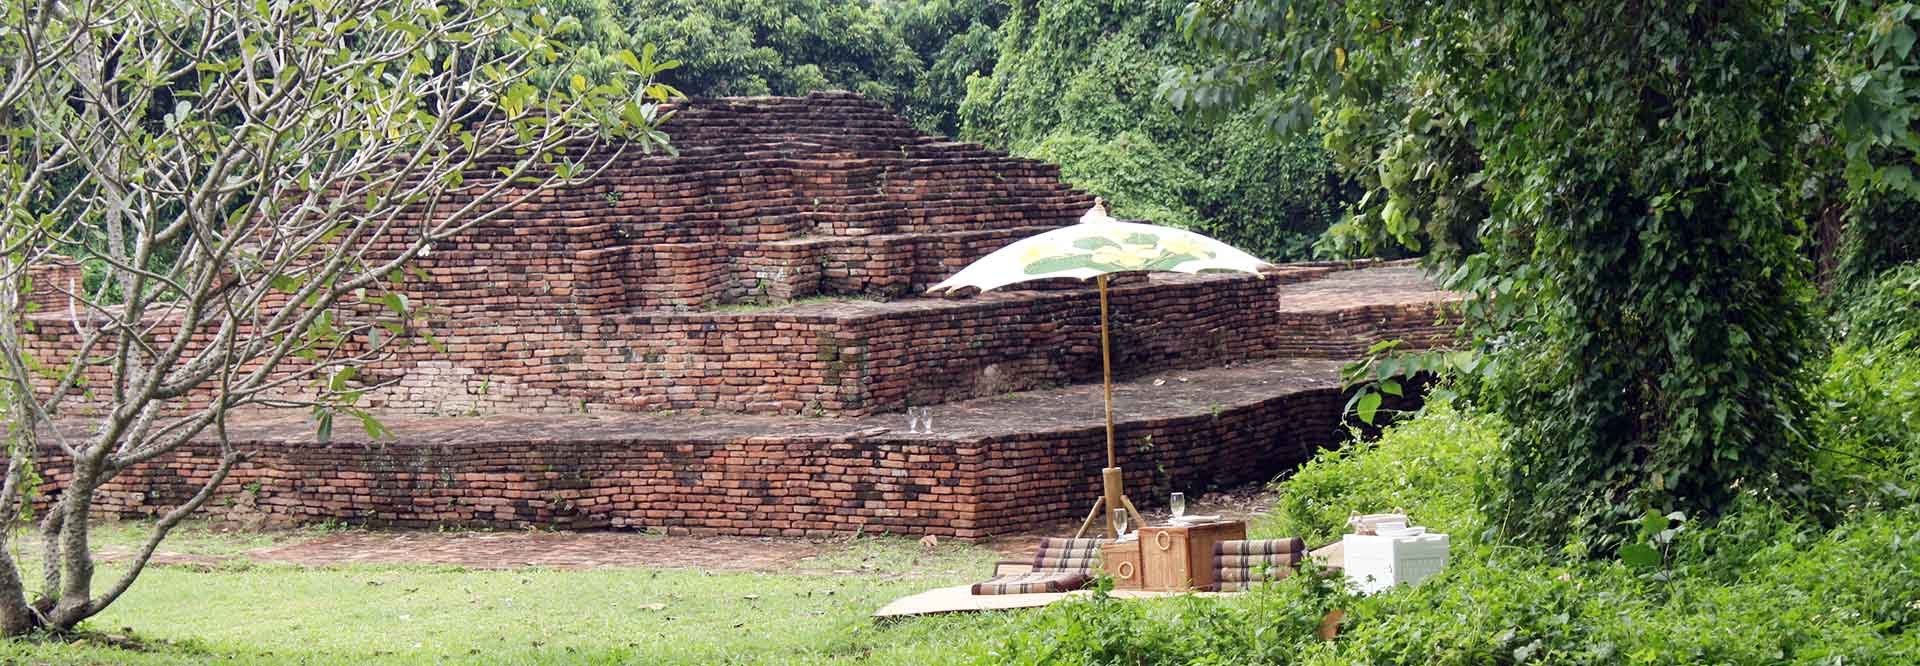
[[243, 612]]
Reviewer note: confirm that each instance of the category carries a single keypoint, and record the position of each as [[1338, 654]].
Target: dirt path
[[582, 550], [558, 550], [586, 550]]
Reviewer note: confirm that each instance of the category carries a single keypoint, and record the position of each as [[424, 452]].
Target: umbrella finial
[[1098, 213]]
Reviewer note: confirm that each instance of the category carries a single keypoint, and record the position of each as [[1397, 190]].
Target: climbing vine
[[1615, 186]]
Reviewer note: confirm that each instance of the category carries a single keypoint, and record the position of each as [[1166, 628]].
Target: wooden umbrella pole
[[1112, 495], [1106, 366]]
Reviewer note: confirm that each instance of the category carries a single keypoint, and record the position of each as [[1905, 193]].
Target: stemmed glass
[[918, 418], [1119, 523]]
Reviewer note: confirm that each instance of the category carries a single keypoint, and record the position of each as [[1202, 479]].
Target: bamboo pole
[[1106, 366], [1113, 495]]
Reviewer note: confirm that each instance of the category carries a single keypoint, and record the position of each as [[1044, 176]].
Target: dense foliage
[[1757, 587], [1427, 467], [1070, 87], [913, 56], [1868, 423], [1616, 186], [1059, 81]]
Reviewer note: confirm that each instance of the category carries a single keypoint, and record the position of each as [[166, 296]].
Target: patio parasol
[[1101, 245]]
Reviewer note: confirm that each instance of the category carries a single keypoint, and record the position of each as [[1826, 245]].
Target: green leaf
[[1640, 556], [395, 301], [372, 425], [1368, 407], [1091, 243], [338, 382], [626, 57], [323, 432], [1651, 524], [1903, 39], [1168, 262]]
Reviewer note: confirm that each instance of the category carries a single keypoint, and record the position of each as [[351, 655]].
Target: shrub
[[1428, 466], [1764, 584], [1886, 313], [1760, 587], [1271, 625], [1868, 424], [1867, 404]]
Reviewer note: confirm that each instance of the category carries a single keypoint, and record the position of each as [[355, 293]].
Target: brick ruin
[[724, 341]]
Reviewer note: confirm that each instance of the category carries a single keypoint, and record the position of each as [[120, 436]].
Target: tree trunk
[[71, 598], [16, 617]]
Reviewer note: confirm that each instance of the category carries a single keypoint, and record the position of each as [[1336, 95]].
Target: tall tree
[[758, 47], [1070, 88], [1614, 182], [294, 157]]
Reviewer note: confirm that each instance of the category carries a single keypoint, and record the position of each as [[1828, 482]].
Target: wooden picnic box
[[1122, 562], [1180, 557]]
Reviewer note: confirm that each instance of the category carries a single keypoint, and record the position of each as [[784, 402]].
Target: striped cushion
[[1240, 564], [1034, 582], [1061, 565], [1237, 562], [1260, 546], [1073, 555]]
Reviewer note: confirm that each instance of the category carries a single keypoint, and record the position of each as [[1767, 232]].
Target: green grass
[[247, 613]]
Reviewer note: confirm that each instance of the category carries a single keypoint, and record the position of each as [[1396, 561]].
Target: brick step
[[853, 357], [826, 357], [1339, 315], [992, 466], [695, 275]]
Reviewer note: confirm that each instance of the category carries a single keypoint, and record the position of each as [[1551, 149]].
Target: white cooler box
[[1375, 563]]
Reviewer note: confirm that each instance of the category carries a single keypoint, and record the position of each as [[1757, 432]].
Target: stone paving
[[1159, 395], [1393, 284]]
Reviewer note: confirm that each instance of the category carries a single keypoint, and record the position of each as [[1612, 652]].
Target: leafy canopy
[[1612, 182], [1069, 87], [914, 56]]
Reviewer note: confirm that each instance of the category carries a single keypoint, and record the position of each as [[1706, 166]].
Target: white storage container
[[1375, 563]]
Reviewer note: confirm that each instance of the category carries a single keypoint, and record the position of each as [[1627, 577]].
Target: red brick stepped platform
[[768, 199], [995, 465], [774, 270]]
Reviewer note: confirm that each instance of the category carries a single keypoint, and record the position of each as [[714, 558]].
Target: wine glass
[[1119, 523], [1178, 505]]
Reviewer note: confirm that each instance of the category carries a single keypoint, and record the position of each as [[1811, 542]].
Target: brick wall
[[51, 279], [684, 479], [855, 358]]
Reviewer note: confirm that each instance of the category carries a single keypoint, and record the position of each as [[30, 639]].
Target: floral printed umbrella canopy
[[1096, 247]]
